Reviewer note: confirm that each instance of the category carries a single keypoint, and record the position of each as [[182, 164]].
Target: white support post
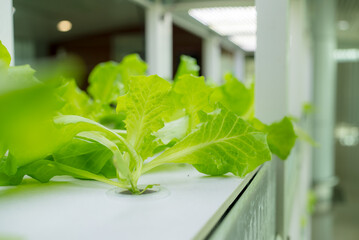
[[271, 59], [324, 44], [159, 41], [239, 64], [298, 176], [212, 59], [271, 83], [283, 83], [7, 26]]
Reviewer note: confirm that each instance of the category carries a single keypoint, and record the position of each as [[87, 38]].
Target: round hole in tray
[[156, 192]]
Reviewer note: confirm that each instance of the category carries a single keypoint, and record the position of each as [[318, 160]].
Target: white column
[[212, 59], [324, 44], [300, 82], [239, 64], [298, 178], [271, 59], [7, 26], [159, 41], [271, 83]]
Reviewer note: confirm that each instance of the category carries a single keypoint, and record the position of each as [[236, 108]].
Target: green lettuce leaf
[[110, 79], [144, 106], [131, 65], [17, 78], [41, 170], [109, 170], [281, 136], [105, 82], [77, 102], [71, 125], [3, 150], [225, 143], [5, 57], [6, 180], [175, 130], [188, 65], [191, 94], [235, 96], [27, 107], [304, 136], [83, 154], [121, 164]]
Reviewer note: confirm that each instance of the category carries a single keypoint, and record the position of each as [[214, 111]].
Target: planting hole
[[147, 191], [156, 192]]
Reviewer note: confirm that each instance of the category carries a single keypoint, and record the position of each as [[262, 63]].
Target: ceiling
[[37, 19], [348, 11]]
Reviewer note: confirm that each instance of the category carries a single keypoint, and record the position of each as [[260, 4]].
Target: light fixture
[[347, 134], [247, 42], [234, 29], [239, 24], [64, 26], [346, 55], [343, 25]]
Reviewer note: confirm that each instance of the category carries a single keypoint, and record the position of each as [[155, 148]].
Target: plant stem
[[86, 174], [120, 132], [148, 166], [133, 178], [132, 152]]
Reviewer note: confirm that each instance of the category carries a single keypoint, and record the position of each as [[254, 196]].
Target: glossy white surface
[[74, 209]]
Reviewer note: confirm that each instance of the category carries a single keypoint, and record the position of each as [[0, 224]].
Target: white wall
[[6, 26]]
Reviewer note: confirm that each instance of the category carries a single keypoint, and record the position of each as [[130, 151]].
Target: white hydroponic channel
[[188, 207]]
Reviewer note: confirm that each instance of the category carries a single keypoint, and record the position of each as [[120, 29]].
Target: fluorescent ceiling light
[[64, 26], [233, 29], [343, 25], [246, 42], [232, 22], [347, 134], [346, 55], [224, 15]]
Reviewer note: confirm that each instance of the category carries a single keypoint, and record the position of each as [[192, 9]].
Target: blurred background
[[99, 32], [314, 48]]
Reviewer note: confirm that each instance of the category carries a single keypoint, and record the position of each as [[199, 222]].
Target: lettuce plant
[[129, 124]]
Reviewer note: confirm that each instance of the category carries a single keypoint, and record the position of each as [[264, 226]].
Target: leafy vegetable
[[191, 94], [51, 127], [110, 80], [78, 102], [307, 108], [281, 136], [144, 106], [5, 57], [224, 143], [83, 154], [236, 96], [187, 65], [106, 83], [175, 130]]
